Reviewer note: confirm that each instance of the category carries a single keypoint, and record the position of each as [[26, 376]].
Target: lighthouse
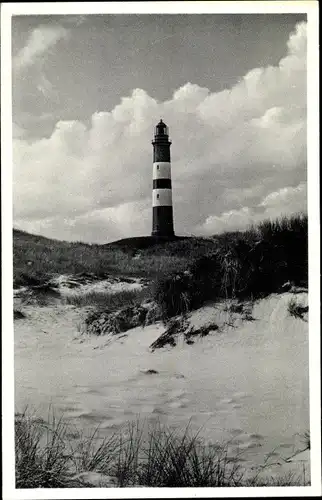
[[162, 217]]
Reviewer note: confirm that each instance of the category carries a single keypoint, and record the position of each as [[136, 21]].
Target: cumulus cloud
[[238, 156], [286, 201]]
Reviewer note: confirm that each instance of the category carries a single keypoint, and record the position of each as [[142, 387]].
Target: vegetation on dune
[[109, 301], [114, 313], [185, 273], [240, 256], [37, 259], [306, 439], [180, 327], [107, 322], [241, 265], [140, 454], [17, 314], [41, 454], [297, 310]]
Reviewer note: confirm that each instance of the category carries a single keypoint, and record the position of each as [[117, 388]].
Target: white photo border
[[169, 7]]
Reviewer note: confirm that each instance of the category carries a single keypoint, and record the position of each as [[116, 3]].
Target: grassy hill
[[253, 262], [36, 258]]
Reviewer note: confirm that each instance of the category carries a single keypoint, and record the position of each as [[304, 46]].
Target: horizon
[[230, 87], [211, 236]]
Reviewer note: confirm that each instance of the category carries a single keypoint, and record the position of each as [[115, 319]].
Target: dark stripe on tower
[[161, 152], [162, 184], [162, 221]]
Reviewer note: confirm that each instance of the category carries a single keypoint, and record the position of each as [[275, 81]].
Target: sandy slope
[[248, 381]]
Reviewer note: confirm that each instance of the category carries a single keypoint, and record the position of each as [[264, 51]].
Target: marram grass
[[49, 455]]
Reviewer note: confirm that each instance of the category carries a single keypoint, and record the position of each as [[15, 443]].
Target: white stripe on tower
[[161, 170], [162, 198]]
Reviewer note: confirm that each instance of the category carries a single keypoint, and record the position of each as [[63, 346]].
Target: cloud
[[286, 201], [30, 60], [129, 218], [238, 156], [41, 40]]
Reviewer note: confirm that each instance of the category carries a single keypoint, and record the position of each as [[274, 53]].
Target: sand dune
[[246, 382]]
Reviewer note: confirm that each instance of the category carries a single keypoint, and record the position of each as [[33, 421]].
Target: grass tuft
[[139, 455], [43, 457], [306, 439], [107, 300]]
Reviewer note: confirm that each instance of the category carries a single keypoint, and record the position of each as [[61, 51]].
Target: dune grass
[[108, 301], [240, 256], [241, 265], [41, 453], [186, 273], [140, 454], [37, 259], [306, 440]]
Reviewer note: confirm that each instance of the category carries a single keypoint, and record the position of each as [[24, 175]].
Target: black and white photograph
[[160, 262]]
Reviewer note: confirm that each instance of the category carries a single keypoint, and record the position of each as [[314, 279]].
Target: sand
[[246, 382]]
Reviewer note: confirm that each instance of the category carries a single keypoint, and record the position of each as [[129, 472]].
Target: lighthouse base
[[163, 237], [162, 225]]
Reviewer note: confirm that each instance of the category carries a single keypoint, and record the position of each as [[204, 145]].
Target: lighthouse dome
[[161, 128]]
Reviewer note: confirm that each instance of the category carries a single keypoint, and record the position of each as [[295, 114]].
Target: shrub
[[235, 267], [173, 294], [180, 327], [17, 314], [288, 238], [205, 274], [174, 328], [181, 292], [259, 261], [113, 323], [297, 310], [101, 322]]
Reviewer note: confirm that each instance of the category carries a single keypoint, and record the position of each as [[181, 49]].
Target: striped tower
[[162, 225]]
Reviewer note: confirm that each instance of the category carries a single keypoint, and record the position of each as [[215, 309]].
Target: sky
[[88, 91]]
